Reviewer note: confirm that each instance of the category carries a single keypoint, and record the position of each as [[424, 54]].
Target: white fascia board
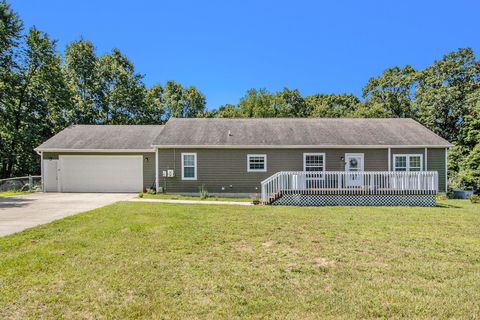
[[297, 146], [96, 150]]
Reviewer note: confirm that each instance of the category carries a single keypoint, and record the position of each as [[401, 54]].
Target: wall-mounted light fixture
[[146, 159]]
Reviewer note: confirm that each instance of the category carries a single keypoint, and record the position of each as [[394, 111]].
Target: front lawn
[[180, 197], [11, 193], [176, 261]]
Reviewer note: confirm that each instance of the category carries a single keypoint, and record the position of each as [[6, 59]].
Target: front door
[[354, 164], [50, 175]]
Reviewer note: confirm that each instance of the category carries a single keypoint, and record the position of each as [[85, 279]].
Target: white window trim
[[194, 154], [256, 155], [408, 160], [314, 154]]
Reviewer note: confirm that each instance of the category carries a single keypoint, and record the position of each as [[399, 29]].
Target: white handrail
[[349, 183]]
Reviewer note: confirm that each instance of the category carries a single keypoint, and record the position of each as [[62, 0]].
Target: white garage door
[[101, 173]]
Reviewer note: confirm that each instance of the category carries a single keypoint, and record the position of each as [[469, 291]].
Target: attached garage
[[86, 158], [100, 173]]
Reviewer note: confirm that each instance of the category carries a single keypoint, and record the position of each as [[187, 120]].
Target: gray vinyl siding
[[436, 162], [227, 168], [148, 166]]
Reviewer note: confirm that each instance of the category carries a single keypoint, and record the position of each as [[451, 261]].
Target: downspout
[[41, 171], [40, 153], [446, 170]]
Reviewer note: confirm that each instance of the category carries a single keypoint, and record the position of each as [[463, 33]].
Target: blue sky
[[226, 47]]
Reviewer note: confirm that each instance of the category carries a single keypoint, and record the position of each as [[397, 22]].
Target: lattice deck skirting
[[427, 200]]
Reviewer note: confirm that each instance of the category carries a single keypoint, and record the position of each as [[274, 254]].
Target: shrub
[[468, 175], [474, 198], [151, 191], [255, 199], [441, 196], [140, 194], [203, 192]]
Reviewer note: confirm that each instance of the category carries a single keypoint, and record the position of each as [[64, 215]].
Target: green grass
[[175, 261], [10, 193], [180, 197]]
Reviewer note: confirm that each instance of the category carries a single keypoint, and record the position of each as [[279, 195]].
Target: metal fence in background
[[26, 183]]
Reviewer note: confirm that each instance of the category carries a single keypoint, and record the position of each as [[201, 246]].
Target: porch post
[[389, 159], [426, 159], [156, 170]]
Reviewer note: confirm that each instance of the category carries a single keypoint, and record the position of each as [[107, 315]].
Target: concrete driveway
[[22, 212]]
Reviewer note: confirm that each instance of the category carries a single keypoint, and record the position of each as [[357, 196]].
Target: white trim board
[[408, 155], [299, 146], [97, 150], [305, 154], [264, 156], [194, 154]]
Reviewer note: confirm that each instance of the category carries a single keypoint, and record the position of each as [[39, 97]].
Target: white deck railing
[[349, 183]]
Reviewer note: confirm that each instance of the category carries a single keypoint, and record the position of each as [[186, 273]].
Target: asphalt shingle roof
[[271, 132], [103, 137], [296, 132]]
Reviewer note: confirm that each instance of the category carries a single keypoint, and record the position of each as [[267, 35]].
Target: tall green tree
[[153, 112], [81, 72], [369, 109], [173, 99], [469, 133], [393, 91], [194, 102], [10, 37], [443, 89], [228, 111], [331, 105], [121, 90], [257, 104], [182, 102], [33, 109], [290, 103]]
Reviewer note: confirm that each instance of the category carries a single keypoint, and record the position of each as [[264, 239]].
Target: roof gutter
[[93, 150], [298, 146]]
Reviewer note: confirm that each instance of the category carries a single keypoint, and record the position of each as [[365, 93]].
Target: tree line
[[43, 91]]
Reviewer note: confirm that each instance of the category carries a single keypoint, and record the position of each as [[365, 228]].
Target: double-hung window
[[189, 166], [314, 162], [257, 163], [408, 162]]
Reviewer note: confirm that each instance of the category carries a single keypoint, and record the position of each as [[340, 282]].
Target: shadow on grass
[[446, 205]]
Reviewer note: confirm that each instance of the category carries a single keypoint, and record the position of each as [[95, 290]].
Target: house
[[277, 157]]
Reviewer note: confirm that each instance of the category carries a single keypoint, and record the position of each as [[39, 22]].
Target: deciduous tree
[[393, 91], [331, 105], [443, 89]]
